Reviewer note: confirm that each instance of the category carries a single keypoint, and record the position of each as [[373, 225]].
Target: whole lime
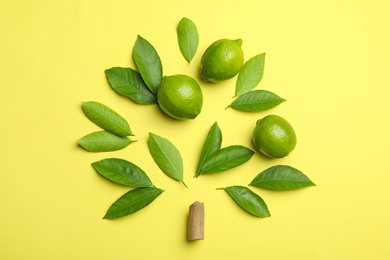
[[274, 136], [222, 60], [180, 97]]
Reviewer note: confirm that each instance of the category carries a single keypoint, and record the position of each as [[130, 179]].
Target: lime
[[180, 97], [222, 60], [274, 136]]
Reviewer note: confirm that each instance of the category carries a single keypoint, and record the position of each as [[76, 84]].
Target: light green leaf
[[106, 118], [188, 38], [103, 141], [257, 100], [129, 83], [250, 74], [148, 63]]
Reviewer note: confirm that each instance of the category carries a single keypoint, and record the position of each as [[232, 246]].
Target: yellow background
[[328, 59]]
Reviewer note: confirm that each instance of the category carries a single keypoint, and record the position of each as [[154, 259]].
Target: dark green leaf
[[106, 118], [148, 63], [188, 38], [250, 74], [103, 141], [281, 177], [226, 158], [122, 172], [129, 83], [211, 145], [248, 200], [132, 201], [166, 156], [257, 100]]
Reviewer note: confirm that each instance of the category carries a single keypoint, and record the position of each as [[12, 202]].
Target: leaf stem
[[220, 188]]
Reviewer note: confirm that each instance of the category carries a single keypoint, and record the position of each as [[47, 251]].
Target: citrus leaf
[[211, 145], [248, 200], [106, 118], [103, 141], [256, 100], [132, 201], [167, 157], [226, 158], [188, 38], [122, 172], [129, 83], [148, 63], [250, 74], [281, 177]]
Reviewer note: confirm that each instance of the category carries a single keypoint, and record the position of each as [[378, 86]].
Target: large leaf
[[122, 172], [211, 145], [248, 200], [166, 156], [188, 38], [148, 63], [257, 100], [106, 118], [250, 74], [226, 158], [103, 141], [129, 83], [132, 201], [281, 177]]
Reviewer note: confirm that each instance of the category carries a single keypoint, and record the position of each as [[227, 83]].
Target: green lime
[[180, 97], [274, 136], [222, 60]]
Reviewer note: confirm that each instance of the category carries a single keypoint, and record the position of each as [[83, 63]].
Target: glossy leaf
[[250, 74], [167, 157], [129, 83], [106, 118], [122, 172], [281, 177], [103, 141], [132, 201], [226, 158], [188, 38], [256, 100], [248, 200], [148, 63], [211, 145]]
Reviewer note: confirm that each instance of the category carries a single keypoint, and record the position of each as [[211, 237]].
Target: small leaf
[[248, 200], [226, 158], [211, 145], [122, 172], [281, 177], [106, 118], [148, 63], [103, 141], [132, 201], [167, 157], [188, 38], [250, 74], [257, 100], [129, 83]]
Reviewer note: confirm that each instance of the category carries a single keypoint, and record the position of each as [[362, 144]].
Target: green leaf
[[211, 145], [132, 201], [122, 172], [106, 118], [226, 158], [188, 38], [281, 177], [129, 83], [148, 63], [257, 100], [250, 74], [103, 141], [248, 200], [167, 157]]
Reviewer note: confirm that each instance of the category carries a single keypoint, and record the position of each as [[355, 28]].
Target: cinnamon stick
[[196, 222]]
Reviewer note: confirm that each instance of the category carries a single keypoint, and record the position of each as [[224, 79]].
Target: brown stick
[[195, 229]]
